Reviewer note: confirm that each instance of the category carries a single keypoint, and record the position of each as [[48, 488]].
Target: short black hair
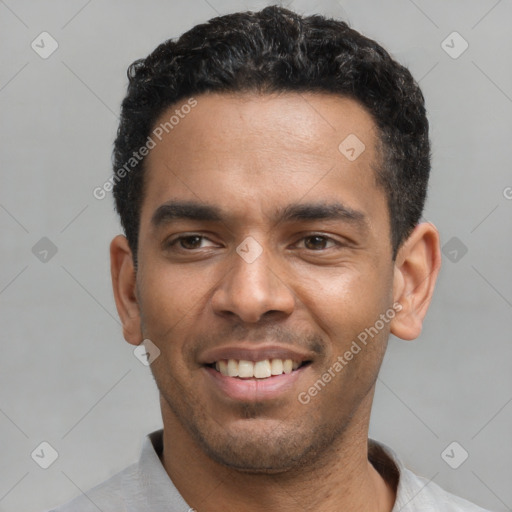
[[277, 50]]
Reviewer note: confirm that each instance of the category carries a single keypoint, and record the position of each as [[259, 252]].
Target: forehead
[[265, 148], [286, 122]]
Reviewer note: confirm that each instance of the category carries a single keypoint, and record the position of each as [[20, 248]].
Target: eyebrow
[[321, 211], [192, 210], [185, 210]]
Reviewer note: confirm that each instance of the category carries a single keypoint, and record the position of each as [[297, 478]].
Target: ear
[[416, 268], [123, 283]]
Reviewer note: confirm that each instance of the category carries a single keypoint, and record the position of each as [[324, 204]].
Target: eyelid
[[320, 235], [173, 240]]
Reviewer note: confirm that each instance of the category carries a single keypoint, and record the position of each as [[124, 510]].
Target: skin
[[253, 155]]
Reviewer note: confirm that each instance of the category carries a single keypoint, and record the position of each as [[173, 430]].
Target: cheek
[[346, 308], [169, 299], [346, 301]]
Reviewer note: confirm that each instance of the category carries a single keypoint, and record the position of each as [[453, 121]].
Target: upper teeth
[[259, 369]]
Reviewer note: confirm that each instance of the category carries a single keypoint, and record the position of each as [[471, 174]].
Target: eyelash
[[175, 241]]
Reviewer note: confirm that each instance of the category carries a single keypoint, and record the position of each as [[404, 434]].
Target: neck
[[342, 479]]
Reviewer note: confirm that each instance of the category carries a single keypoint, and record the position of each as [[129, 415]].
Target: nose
[[252, 290]]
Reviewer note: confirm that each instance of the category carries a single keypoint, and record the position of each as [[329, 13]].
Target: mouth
[[257, 370], [264, 373]]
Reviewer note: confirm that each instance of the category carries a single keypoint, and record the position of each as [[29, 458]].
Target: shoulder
[[413, 492], [143, 486], [108, 496], [418, 493]]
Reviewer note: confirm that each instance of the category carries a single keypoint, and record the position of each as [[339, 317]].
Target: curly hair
[[277, 50]]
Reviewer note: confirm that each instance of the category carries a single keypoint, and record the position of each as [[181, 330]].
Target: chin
[[258, 461], [261, 450]]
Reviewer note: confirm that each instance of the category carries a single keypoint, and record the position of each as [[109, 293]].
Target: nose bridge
[[251, 268], [252, 286]]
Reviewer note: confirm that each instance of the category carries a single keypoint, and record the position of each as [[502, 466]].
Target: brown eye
[[190, 242], [316, 242]]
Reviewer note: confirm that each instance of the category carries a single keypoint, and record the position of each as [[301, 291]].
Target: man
[[270, 173]]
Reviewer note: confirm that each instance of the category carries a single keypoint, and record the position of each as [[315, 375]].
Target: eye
[[188, 242], [318, 242]]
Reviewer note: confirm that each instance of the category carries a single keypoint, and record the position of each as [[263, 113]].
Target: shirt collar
[[156, 490]]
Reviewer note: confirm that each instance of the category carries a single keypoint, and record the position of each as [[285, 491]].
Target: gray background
[[68, 378]]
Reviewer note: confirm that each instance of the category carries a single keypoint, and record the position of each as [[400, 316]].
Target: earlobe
[[123, 284], [416, 269]]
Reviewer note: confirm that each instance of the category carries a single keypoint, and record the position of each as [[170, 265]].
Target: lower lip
[[254, 390]]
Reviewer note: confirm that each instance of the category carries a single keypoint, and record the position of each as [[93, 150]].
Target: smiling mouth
[[267, 368]]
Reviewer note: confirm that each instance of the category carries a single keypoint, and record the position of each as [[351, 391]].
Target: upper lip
[[254, 353]]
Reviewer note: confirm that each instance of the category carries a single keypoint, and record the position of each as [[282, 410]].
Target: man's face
[[260, 240]]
